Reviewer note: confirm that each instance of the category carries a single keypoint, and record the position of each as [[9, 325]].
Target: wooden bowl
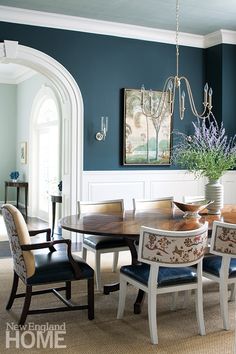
[[192, 210]]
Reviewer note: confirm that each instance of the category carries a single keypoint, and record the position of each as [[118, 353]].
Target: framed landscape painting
[[147, 140]]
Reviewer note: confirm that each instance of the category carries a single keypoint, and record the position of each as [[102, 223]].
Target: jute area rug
[[178, 331]]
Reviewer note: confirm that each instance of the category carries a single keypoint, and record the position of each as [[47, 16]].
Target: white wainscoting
[[102, 185], [229, 183]]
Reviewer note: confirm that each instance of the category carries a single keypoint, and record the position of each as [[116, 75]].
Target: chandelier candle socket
[[174, 86]]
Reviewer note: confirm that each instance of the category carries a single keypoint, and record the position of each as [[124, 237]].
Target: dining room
[[126, 82]]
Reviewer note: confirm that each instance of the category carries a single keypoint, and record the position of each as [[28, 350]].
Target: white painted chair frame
[[104, 207], [152, 288], [223, 280]]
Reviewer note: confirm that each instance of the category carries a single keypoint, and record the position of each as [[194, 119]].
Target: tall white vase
[[214, 191]]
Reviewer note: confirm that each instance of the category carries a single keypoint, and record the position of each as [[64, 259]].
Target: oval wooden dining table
[[128, 225]]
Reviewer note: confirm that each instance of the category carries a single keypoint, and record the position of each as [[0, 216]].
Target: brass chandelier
[[174, 89]]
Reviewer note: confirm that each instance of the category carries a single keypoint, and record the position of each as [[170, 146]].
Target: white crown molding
[[212, 39], [73, 23], [220, 37], [17, 76], [228, 37], [80, 24], [23, 76]]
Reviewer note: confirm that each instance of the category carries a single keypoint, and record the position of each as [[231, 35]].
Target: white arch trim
[[72, 114]]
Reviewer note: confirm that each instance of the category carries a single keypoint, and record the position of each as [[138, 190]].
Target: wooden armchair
[[43, 267]]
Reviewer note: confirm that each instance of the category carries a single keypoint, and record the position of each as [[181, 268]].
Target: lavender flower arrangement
[[208, 152]]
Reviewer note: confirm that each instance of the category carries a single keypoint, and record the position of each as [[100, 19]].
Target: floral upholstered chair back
[[172, 248], [223, 239], [18, 235]]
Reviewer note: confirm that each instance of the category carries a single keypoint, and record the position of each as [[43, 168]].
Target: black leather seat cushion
[[101, 242], [55, 267], [212, 265], [166, 277]]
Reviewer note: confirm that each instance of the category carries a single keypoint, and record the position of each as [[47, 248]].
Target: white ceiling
[[196, 16]]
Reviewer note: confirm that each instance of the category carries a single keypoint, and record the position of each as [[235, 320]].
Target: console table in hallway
[[18, 185]]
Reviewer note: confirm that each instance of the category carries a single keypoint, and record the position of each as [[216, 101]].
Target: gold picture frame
[[147, 141]]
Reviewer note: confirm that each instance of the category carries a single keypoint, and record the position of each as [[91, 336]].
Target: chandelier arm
[[160, 107], [203, 115]]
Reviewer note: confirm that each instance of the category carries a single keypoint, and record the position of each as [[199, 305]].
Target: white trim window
[[45, 151]]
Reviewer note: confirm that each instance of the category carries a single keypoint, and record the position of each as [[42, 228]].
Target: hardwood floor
[[5, 249]]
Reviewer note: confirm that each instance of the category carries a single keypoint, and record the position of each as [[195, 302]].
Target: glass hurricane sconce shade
[[101, 135]]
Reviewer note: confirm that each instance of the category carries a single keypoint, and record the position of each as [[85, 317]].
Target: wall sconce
[[101, 135]]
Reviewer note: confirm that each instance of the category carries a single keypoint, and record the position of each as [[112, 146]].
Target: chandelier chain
[[177, 38]]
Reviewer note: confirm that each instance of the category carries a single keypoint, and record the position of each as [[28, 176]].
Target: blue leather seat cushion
[[166, 277], [212, 265], [54, 266], [101, 242]]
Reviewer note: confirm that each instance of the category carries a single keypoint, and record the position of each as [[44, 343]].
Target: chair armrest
[[36, 232], [50, 244]]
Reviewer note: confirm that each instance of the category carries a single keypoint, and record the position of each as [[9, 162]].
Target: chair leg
[[91, 299], [224, 304], [122, 297], [26, 306], [199, 310], [98, 271], [115, 261], [152, 317], [68, 290], [84, 253], [13, 291]]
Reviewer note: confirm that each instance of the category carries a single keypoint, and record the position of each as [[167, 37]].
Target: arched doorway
[[71, 113]]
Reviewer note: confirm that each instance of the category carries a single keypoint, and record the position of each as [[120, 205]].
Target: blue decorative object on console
[[14, 175]]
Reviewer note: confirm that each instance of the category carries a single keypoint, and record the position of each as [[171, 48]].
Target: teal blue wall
[[214, 75], [7, 135], [221, 71], [104, 65], [229, 87]]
